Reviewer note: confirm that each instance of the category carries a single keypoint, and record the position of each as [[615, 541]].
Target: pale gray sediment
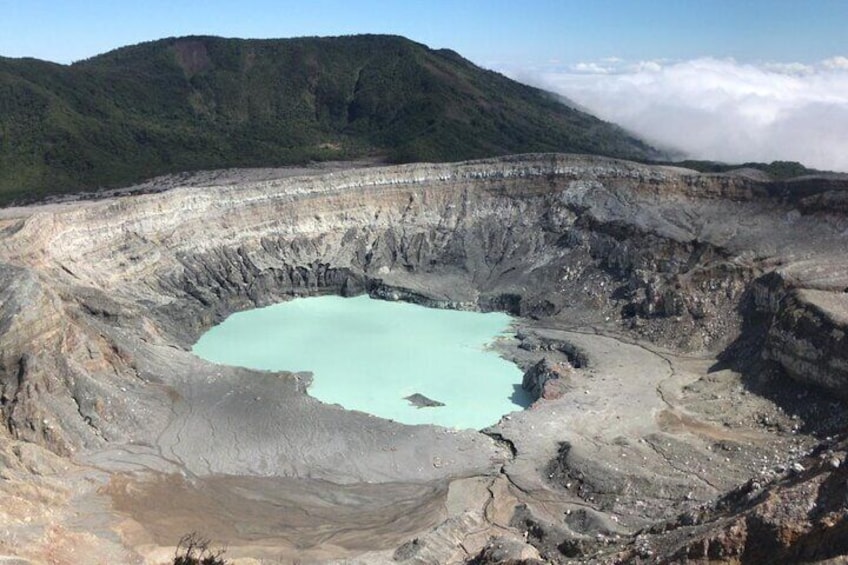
[[636, 277]]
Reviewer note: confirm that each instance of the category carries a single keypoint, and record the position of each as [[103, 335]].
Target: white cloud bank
[[719, 109]]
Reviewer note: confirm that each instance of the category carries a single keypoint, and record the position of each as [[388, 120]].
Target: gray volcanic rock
[[676, 298], [421, 401], [547, 380]]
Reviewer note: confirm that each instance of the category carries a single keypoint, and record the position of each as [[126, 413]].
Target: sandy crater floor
[[651, 429]]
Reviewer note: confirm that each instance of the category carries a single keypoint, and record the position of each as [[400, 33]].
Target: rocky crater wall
[[98, 295]]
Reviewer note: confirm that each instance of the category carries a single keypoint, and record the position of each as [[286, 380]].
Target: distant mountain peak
[[201, 102]]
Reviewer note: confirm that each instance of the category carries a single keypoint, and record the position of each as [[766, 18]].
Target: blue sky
[[491, 33], [730, 80]]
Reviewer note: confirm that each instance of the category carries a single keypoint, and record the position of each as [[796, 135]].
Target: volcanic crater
[[685, 334]]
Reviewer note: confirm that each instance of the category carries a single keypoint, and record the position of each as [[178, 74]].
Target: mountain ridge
[[201, 102]]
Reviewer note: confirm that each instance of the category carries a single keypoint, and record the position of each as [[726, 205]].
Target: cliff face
[[101, 300], [668, 253]]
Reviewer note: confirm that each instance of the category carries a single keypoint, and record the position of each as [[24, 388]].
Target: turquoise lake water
[[369, 355]]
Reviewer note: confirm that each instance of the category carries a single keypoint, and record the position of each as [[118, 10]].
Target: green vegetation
[[203, 102], [778, 170]]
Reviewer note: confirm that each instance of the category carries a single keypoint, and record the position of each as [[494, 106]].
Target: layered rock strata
[[101, 300]]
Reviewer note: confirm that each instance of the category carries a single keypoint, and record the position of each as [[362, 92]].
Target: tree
[[194, 550]]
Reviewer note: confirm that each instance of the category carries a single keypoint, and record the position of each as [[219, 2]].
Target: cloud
[[719, 109], [646, 66], [836, 63], [790, 68], [591, 68]]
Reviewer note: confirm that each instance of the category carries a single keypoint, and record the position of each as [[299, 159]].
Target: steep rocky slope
[[672, 301]]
